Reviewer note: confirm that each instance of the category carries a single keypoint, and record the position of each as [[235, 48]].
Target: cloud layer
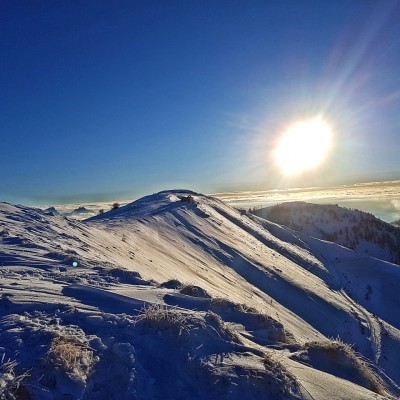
[[380, 198]]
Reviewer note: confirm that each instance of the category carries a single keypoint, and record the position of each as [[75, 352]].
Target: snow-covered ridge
[[354, 229], [234, 306]]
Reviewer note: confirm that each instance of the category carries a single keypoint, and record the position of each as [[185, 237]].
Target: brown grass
[[10, 381], [336, 349], [254, 317], [69, 354], [162, 318], [285, 383]]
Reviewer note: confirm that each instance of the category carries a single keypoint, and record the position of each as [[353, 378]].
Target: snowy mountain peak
[[161, 202]]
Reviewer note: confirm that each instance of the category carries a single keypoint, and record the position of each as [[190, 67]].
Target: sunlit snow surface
[[189, 299]]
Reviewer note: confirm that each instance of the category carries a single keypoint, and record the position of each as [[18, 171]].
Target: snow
[[248, 297], [351, 228]]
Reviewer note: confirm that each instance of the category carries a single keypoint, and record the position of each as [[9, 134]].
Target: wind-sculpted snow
[[178, 295]]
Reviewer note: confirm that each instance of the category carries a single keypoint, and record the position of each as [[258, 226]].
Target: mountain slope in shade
[[52, 210], [355, 229], [170, 298]]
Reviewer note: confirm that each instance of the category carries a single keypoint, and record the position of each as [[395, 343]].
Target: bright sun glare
[[303, 146]]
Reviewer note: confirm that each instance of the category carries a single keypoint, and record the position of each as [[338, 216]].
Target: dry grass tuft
[[159, 318], [342, 353], [215, 322], [253, 319], [70, 355], [10, 382], [164, 318], [285, 383]]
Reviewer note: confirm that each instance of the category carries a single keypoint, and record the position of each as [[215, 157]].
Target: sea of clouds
[[379, 198]]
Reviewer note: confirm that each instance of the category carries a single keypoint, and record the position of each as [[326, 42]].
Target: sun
[[303, 146]]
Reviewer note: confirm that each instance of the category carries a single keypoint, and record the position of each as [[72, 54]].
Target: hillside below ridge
[[274, 293], [355, 229]]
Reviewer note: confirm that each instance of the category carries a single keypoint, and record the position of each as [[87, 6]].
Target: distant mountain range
[[79, 213], [357, 230]]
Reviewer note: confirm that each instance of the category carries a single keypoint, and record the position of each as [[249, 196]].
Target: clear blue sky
[[101, 100]]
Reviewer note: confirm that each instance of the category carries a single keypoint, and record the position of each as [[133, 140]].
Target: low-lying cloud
[[379, 198]]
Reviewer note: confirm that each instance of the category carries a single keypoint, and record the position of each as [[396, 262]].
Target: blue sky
[[104, 100]]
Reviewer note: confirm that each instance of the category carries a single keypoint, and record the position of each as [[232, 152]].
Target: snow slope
[[171, 299], [354, 229]]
